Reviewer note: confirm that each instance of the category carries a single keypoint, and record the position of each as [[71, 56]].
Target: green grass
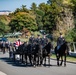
[[69, 58]]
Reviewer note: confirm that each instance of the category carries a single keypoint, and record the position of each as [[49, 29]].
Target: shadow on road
[[19, 64], [11, 62]]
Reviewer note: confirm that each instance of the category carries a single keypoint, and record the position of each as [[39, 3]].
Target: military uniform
[[44, 41], [31, 39], [38, 40], [60, 41]]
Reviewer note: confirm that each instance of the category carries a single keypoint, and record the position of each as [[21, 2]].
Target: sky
[[11, 5]]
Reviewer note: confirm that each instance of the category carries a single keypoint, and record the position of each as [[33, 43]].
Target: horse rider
[[44, 40], [38, 39], [60, 41], [32, 39]]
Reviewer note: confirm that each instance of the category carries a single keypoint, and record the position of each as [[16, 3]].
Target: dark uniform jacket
[[39, 40], [31, 39], [60, 41], [44, 41]]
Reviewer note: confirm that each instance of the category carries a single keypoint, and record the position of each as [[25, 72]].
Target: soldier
[[60, 41], [44, 41], [32, 39], [38, 40]]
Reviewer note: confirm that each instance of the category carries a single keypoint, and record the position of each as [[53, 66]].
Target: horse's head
[[65, 47], [64, 43]]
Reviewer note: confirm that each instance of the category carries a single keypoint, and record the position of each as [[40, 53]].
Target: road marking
[[1, 73]]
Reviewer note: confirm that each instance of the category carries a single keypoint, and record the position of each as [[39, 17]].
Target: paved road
[[9, 68]]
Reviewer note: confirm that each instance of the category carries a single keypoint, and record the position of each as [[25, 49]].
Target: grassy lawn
[[69, 58]]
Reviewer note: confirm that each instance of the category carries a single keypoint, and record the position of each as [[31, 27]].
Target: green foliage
[[39, 17], [48, 18], [44, 7], [23, 20], [49, 22], [71, 36], [22, 9], [74, 10], [2, 27], [33, 6], [4, 20]]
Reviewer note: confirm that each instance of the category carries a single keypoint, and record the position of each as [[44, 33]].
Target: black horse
[[62, 51], [25, 52], [35, 54], [47, 52], [20, 52]]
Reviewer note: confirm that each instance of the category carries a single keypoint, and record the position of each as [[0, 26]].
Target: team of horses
[[35, 54]]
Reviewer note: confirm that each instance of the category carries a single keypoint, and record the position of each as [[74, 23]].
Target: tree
[[71, 35], [48, 18], [4, 20], [33, 6], [17, 10], [39, 15], [62, 11], [23, 20], [22, 9], [74, 10], [2, 28], [39, 18]]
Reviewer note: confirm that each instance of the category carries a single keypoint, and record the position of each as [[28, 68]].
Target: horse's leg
[[14, 57], [38, 59], [61, 61], [57, 56], [41, 60], [49, 59], [44, 60], [26, 59], [22, 58], [30, 58], [65, 60], [34, 60]]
